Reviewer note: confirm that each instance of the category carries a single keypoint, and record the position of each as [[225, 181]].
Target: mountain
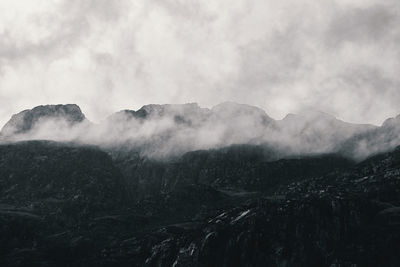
[[344, 218], [171, 130], [179, 185], [64, 204], [37, 170], [373, 141], [315, 131], [50, 193], [179, 112], [234, 168], [241, 112], [30, 120]]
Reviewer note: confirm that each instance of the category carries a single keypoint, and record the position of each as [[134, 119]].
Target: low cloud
[[164, 131]]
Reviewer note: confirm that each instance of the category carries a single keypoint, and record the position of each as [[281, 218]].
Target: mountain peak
[[316, 114], [391, 122], [27, 119], [233, 108], [190, 113], [158, 109]]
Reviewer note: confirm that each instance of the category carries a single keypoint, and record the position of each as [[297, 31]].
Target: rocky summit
[[27, 120], [77, 203]]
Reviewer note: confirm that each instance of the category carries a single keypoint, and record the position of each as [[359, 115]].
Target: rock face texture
[[26, 120]]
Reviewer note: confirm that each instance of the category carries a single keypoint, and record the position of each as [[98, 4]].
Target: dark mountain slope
[[61, 204], [64, 205], [240, 205], [50, 194], [346, 218], [237, 167]]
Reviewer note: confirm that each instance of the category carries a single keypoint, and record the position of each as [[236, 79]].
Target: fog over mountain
[[193, 133], [170, 130]]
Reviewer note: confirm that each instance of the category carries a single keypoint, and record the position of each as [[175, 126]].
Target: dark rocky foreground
[[70, 205]]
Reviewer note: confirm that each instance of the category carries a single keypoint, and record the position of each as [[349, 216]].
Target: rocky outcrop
[[27, 120]]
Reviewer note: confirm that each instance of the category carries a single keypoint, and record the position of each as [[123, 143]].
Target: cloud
[[282, 56], [167, 131], [362, 25]]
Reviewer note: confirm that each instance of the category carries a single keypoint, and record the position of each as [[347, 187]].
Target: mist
[[167, 131]]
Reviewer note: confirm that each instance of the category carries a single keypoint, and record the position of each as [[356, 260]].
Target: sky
[[337, 56]]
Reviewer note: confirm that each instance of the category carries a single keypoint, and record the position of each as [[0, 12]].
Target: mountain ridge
[[172, 129]]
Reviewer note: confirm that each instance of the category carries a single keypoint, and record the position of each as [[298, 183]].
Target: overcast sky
[[338, 56]]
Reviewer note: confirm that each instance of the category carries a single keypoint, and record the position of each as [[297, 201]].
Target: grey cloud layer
[[339, 56]]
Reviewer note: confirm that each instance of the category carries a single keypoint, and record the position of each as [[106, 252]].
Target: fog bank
[[162, 131]]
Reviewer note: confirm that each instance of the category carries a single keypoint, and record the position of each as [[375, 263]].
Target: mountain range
[[171, 130], [180, 185]]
